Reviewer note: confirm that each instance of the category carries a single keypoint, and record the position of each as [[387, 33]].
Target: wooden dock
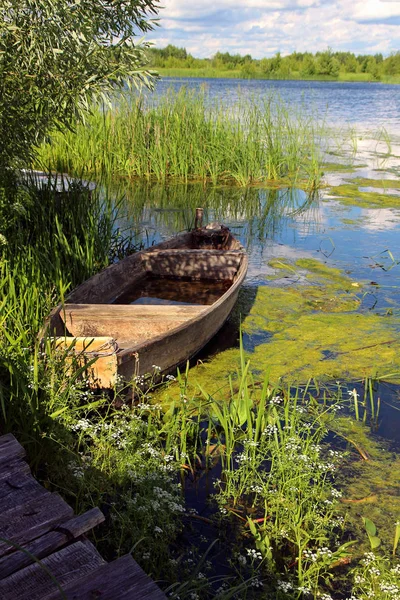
[[44, 554]]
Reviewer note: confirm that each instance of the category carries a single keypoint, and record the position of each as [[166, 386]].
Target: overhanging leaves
[[59, 56]]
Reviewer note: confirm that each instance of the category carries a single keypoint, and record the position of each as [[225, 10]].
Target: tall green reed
[[187, 136], [52, 240]]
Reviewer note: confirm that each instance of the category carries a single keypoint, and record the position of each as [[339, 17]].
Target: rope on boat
[[112, 348]]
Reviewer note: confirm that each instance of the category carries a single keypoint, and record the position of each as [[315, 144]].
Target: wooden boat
[[153, 310]]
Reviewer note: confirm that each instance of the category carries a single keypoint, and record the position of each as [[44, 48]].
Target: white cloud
[[262, 27], [380, 219], [372, 10], [180, 9]]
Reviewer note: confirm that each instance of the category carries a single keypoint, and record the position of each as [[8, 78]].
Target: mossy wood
[[129, 339]]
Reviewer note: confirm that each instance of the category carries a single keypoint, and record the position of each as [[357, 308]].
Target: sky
[[264, 27]]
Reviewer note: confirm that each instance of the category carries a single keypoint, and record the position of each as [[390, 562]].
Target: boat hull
[[164, 355], [149, 340]]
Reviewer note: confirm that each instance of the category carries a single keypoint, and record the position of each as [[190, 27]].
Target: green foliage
[[376, 577], [322, 65], [370, 528], [275, 463], [56, 58]]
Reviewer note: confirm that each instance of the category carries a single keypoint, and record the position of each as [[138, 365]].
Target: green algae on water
[[352, 222], [350, 193], [336, 167], [371, 488], [313, 328], [318, 331], [376, 183]]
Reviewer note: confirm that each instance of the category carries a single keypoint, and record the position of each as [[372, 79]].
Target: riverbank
[[210, 73]]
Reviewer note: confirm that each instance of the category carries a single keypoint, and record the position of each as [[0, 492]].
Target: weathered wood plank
[[197, 264], [131, 311], [50, 542], [10, 449], [194, 252], [41, 523], [118, 580], [23, 494], [32, 519], [39, 548], [35, 582], [82, 523], [19, 464], [15, 478], [103, 371], [127, 324]]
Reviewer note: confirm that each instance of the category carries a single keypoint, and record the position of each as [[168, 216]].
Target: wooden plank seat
[[128, 324], [193, 263]]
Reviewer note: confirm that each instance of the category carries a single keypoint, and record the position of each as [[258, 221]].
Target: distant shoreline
[[205, 73]]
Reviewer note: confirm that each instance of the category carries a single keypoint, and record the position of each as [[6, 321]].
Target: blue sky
[[264, 27]]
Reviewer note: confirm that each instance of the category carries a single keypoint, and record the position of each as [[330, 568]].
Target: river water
[[365, 105], [359, 238]]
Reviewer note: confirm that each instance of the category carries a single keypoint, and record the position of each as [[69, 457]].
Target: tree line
[[305, 64]]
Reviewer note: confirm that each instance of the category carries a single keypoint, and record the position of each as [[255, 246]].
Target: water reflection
[[273, 222], [381, 219], [256, 214]]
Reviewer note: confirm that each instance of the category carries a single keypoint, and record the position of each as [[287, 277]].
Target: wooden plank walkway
[[44, 554]]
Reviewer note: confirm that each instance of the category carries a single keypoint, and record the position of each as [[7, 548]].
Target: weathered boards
[[116, 337], [44, 554]]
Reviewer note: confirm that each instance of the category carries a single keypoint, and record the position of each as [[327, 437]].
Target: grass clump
[[187, 136], [282, 495]]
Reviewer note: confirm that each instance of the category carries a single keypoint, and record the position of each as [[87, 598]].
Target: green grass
[[212, 73], [186, 136]]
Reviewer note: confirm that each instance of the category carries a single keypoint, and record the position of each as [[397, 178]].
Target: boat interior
[[154, 291]]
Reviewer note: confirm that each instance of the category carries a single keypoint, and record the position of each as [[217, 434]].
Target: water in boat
[[173, 291]]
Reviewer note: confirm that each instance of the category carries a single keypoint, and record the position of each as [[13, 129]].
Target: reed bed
[[187, 136]]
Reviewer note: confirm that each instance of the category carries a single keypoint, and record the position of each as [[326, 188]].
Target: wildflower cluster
[[286, 467], [376, 578]]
